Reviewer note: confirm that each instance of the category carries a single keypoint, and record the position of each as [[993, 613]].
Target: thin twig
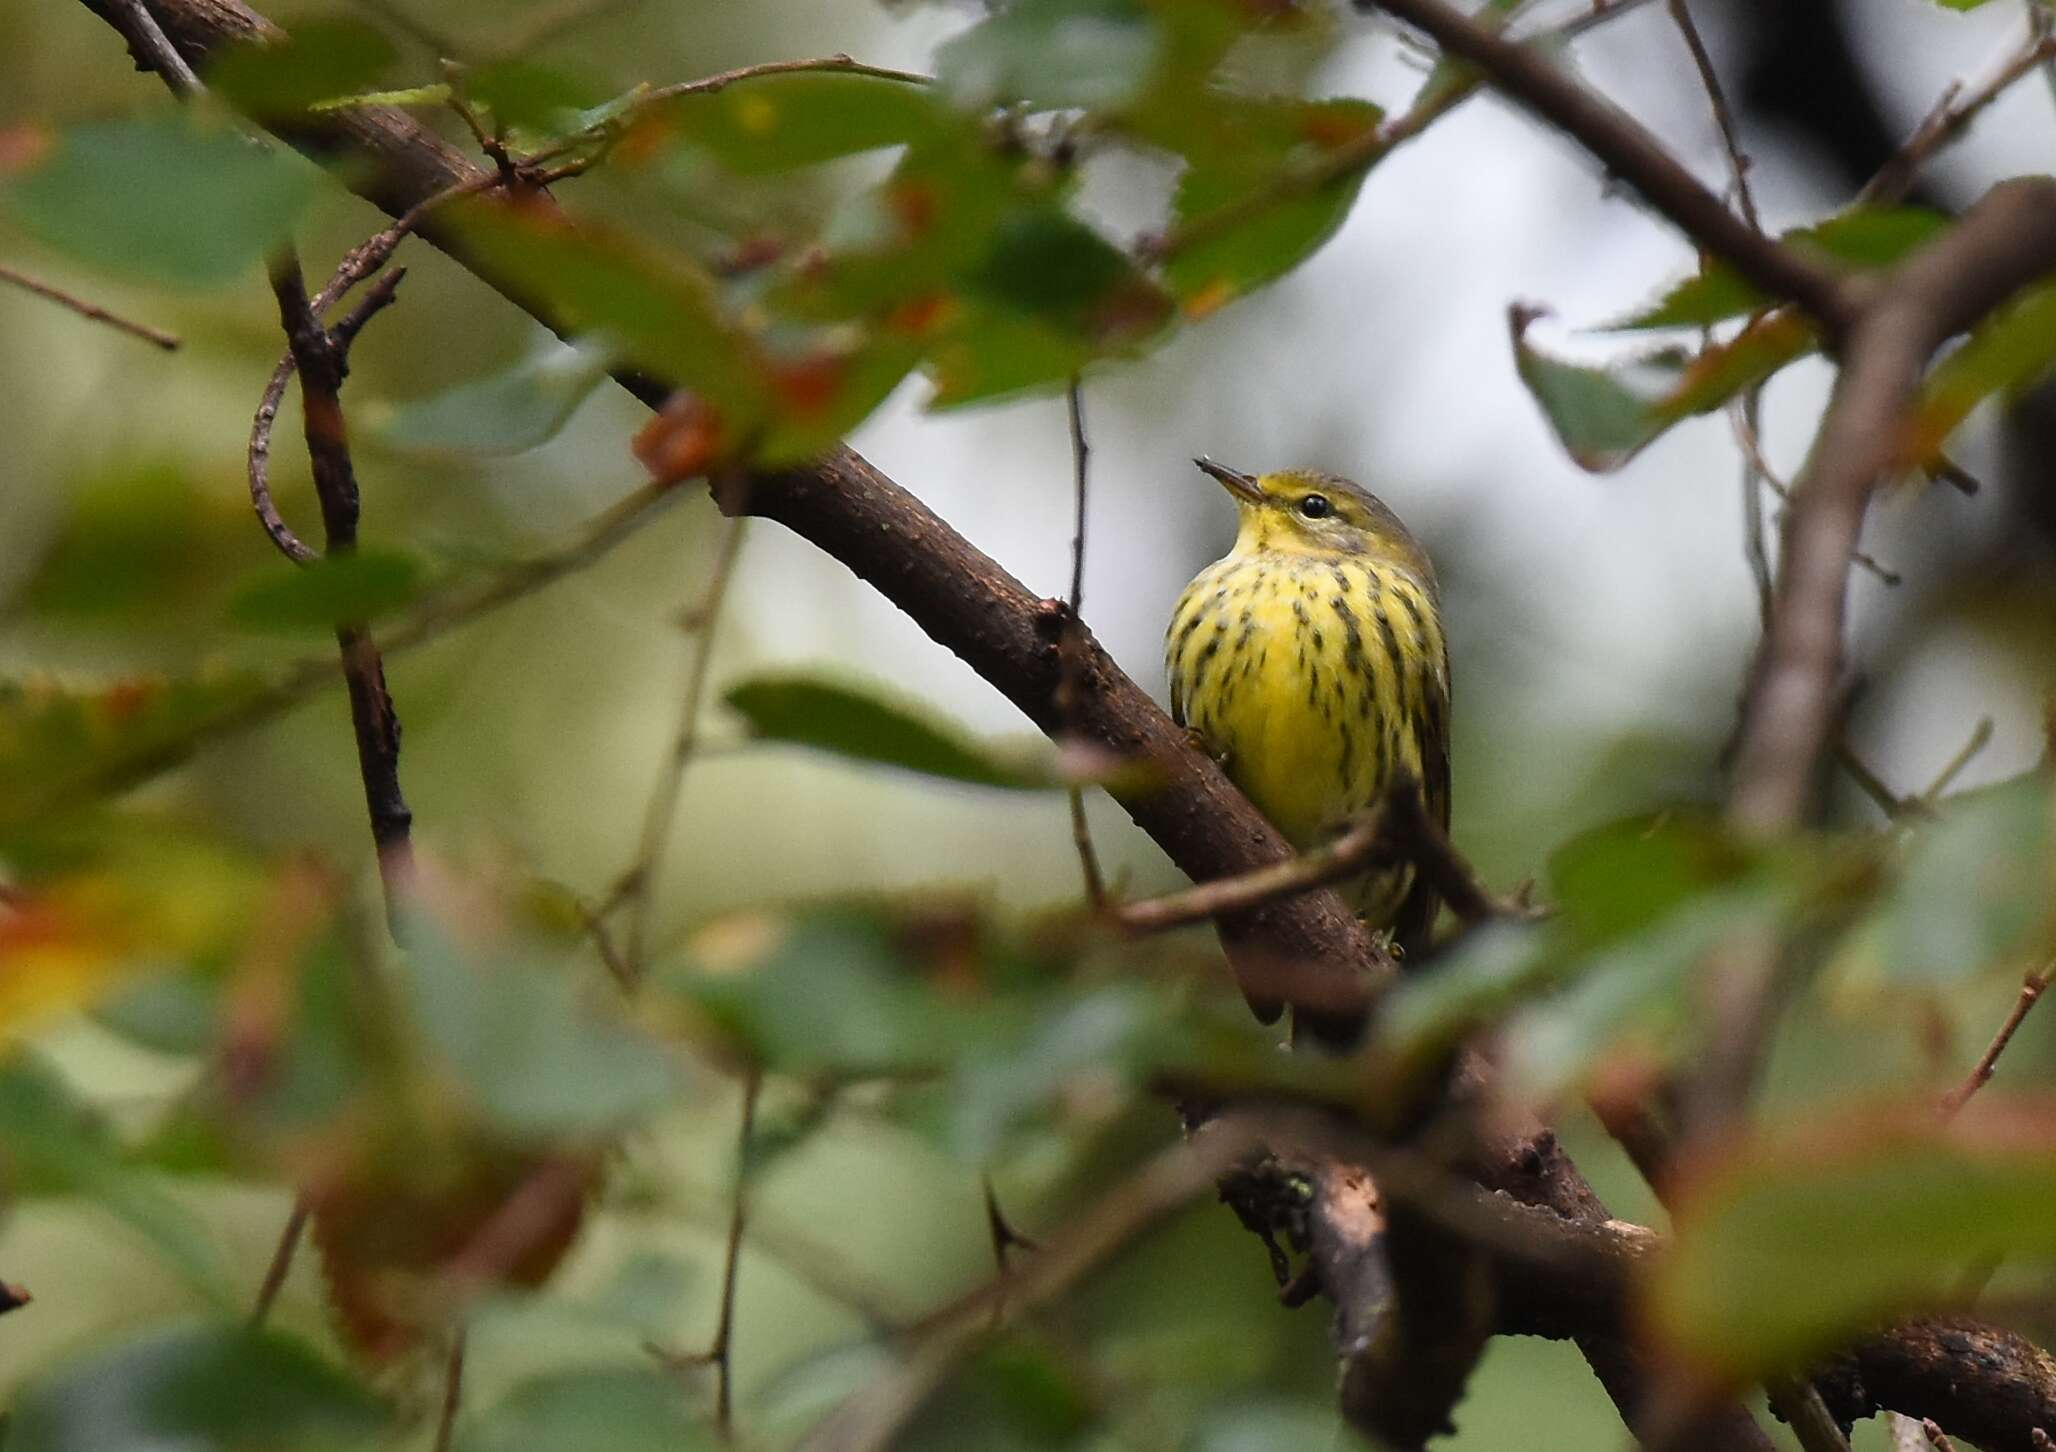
[[1723, 118], [1069, 681], [1344, 857], [1952, 117], [1631, 153], [1750, 440], [169, 342], [1980, 738], [639, 883], [2031, 989], [453, 1391], [281, 1262], [722, 1352], [152, 48], [1799, 1403], [321, 358]]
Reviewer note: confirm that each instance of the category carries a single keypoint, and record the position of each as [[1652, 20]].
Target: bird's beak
[[1241, 485]]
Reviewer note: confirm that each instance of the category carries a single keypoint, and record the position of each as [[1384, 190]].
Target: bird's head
[[1301, 511]]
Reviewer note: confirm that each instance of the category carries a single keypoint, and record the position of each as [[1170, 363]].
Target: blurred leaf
[[1238, 148], [828, 389], [2006, 354], [145, 545], [515, 409], [775, 122], [351, 589], [1973, 888], [1867, 237], [1490, 968], [56, 743], [534, 1056], [603, 1410], [864, 725], [988, 353], [1634, 994], [172, 1013], [1622, 876], [1606, 414], [209, 1387], [436, 95], [277, 80], [1046, 264], [393, 1226], [828, 992], [653, 307], [1799, 1237], [51, 1145], [1096, 54], [537, 99], [1018, 1394], [166, 198]]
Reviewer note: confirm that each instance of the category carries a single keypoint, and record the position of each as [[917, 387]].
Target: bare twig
[[868, 1421], [320, 357], [721, 1353], [1072, 645], [1344, 857], [150, 46], [1953, 114], [2031, 989], [281, 1262], [1799, 1403], [453, 1391], [1723, 118], [1630, 153], [167, 341], [639, 883]]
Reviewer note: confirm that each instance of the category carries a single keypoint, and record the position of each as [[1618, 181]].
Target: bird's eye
[[1314, 506]]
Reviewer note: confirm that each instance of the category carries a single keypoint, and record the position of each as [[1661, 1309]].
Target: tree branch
[[1630, 153]]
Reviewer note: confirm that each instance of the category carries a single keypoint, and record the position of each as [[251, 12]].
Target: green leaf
[[1798, 1238], [278, 80], [832, 993], [827, 388], [863, 724], [1239, 149], [168, 199], [1489, 969], [537, 99], [209, 1387], [1605, 415], [1048, 265], [515, 409], [1620, 877], [59, 744], [50, 1145], [776, 122], [1095, 54], [1632, 995], [1973, 890], [145, 546], [540, 1060], [988, 353], [1865, 238], [652, 307], [604, 1410], [351, 589], [2006, 354]]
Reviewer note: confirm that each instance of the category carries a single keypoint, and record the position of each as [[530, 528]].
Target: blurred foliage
[[484, 1110]]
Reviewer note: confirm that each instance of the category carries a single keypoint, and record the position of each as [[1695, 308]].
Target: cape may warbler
[[1310, 660]]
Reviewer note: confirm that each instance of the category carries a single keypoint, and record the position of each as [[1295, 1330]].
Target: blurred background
[[1600, 627]]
